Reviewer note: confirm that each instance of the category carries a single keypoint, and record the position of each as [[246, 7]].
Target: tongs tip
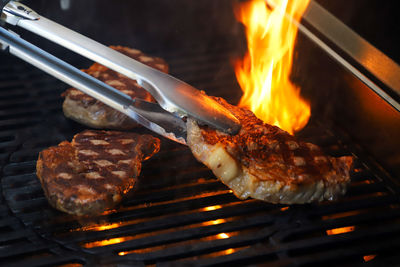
[[216, 115]]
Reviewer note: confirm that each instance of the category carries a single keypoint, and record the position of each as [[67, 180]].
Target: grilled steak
[[93, 113], [92, 173], [267, 163]]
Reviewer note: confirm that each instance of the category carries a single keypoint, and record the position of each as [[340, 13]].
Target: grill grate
[[179, 213]]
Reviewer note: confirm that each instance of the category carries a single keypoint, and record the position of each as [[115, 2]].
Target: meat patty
[[267, 163], [93, 113], [92, 173]]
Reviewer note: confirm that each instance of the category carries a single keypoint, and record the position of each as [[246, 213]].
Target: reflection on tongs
[[175, 98]]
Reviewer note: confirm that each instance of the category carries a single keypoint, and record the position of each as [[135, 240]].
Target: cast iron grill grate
[[179, 213]]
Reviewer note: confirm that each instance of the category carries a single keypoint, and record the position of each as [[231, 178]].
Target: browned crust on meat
[[92, 173], [93, 113], [273, 165]]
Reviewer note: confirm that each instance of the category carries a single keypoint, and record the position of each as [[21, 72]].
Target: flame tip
[[263, 73]]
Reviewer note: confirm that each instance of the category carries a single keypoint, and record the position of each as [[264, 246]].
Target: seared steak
[[93, 172], [91, 112], [267, 163]]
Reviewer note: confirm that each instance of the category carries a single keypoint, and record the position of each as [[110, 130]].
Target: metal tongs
[[175, 98]]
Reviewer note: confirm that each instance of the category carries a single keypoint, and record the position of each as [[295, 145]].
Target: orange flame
[[263, 73]]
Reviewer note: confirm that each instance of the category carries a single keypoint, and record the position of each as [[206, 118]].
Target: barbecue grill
[[179, 213]]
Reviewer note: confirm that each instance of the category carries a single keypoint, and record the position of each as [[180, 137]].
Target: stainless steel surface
[[353, 44], [365, 54], [141, 111], [172, 94], [340, 100], [20, 11]]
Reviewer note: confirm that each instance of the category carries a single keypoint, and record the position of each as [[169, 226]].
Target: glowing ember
[[263, 74], [369, 257], [340, 230], [212, 207], [106, 242], [223, 236]]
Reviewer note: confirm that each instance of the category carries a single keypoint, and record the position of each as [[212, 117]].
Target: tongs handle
[[172, 94]]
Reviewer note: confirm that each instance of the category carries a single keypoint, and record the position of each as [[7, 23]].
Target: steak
[[92, 173], [88, 111], [267, 163]]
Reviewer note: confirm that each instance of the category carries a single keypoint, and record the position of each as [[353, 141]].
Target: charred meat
[[91, 112], [92, 173], [267, 163]]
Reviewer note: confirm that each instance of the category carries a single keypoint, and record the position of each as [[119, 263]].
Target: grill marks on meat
[[267, 163], [92, 173], [86, 110]]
